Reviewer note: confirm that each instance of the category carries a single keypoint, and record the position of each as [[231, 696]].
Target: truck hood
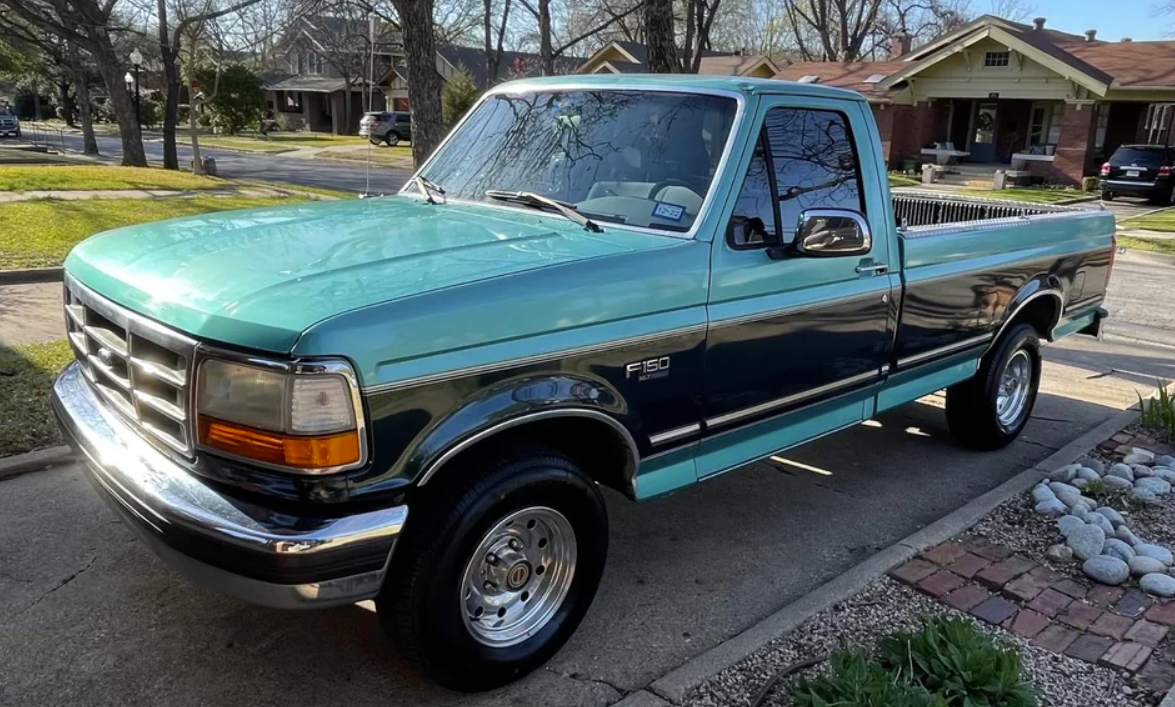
[[259, 278]]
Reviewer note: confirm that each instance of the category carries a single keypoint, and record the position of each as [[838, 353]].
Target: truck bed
[[928, 210]]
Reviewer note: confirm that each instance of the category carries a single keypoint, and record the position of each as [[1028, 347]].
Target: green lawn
[[26, 376], [1154, 245], [901, 180], [99, 177], [41, 233], [1159, 221], [1038, 196], [280, 142], [398, 156]]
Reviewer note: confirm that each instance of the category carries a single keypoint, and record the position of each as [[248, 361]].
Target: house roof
[[1131, 64], [516, 64], [850, 75], [733, 64], [640, 52], [309, 84]]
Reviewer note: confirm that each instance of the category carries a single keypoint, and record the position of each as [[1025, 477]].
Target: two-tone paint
[[469, 321]]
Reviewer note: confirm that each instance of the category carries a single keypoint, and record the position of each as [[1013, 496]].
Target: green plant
[[237, 100], [1095, 489], [457, 96], [1159, 412], [1089, 184], [952, 659], [855, 680]]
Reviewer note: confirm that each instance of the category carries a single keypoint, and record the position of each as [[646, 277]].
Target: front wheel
[[991, 408], [1107, 195], [496, 568], [392, 139]]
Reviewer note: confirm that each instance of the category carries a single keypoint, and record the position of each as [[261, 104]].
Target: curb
[[678, 683], [1077, 200], [34, 461], [1147, 256], [32, 275]]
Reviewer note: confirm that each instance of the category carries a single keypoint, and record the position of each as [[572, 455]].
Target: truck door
[[798, 341]]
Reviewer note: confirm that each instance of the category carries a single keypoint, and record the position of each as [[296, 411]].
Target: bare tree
[[493, 46], [90, 25], [660, 40], [424, 82], [832, 30], [543, 13]]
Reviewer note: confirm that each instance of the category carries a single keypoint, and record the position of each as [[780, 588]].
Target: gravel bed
[[1014, 524], [886, 606]]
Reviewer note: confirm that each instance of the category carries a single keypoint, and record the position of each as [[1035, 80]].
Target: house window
[[1044, 127], [1158, 122], [293, 102], [996, 59], [1103, 123]]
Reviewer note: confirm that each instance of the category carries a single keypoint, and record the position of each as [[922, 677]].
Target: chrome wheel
[[1015, 387], [518, 576]]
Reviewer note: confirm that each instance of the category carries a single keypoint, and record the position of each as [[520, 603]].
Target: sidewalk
[[31, 314]]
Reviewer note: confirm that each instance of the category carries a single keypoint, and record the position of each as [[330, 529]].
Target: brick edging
[[677, 683], [34, 461], [31, 275]]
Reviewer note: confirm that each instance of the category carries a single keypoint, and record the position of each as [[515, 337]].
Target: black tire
[[972, 406], [392, 139], [1107, 195], [420, 606], [374, 140]]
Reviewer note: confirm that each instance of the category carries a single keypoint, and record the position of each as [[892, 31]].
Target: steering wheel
[[665, 183]]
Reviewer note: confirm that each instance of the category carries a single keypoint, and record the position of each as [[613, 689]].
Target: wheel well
[[601, 450], [1041, 312]]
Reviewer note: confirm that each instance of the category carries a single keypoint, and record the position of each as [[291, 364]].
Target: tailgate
[[1137, 164]]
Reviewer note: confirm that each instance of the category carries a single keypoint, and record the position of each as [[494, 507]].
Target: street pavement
[[231, 164], [88, 616]]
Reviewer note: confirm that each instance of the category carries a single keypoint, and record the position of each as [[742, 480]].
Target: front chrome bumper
[[217, 541]]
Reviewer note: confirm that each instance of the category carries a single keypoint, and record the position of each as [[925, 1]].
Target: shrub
[[951, 659], [290, 122], [457, 96], [1089, 184], [238, 100], [1159, 413], [855, 680]]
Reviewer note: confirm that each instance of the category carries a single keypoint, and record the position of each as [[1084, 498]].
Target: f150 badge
[[647, 369]]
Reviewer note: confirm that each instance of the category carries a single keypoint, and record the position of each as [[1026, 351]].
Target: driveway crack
[[580, 677], [64, 582]]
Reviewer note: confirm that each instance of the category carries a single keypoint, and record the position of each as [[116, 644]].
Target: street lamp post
[[136, 62]]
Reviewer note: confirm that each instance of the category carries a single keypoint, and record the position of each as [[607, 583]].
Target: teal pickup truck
[[633, 282]]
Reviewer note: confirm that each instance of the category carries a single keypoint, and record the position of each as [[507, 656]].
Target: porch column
[[1075, 143]]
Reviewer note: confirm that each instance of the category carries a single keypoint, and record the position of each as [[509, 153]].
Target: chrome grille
[[141, 368]]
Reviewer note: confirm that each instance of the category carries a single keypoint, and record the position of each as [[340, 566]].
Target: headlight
[[305, 417]]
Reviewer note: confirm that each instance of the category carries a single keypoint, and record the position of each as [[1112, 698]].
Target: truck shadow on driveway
[[90, 617]]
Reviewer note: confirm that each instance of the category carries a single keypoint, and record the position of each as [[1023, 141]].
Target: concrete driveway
[[88, 616]]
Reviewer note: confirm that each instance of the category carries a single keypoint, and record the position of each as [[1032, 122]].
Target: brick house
[[632, 58], [997, 92]]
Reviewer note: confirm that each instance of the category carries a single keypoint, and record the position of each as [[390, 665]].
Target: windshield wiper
[[427, 187], [539, 201]]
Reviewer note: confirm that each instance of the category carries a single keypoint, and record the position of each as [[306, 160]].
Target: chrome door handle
[[878, 269]]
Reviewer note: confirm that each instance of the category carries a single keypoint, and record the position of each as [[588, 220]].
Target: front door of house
[[983, 133]]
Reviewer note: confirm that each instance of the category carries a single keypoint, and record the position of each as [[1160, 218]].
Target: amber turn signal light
[[303, 452]]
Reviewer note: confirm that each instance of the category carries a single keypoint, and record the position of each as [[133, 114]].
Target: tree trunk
[[424, 83], [102, 50], [82, 89], [171, 87], [193, 124], [66, 103], [659, 38], [546, 53], [36, 104]]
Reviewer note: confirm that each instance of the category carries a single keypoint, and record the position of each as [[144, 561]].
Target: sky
[[1113, 19]]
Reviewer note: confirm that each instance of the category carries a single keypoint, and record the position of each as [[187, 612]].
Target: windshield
[[641, 159]]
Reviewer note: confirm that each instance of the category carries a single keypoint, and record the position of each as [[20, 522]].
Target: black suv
[[387, 127], [1140, 170]]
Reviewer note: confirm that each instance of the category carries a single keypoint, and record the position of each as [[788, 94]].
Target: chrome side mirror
[[829, 233]]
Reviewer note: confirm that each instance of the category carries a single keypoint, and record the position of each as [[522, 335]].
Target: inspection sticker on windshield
[[669, 212]]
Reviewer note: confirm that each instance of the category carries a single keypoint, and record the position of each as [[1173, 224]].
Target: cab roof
[[683, 82]]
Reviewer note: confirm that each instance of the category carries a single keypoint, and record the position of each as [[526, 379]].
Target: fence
[[931, 209]]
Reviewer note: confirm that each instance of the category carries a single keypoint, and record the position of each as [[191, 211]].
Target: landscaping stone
[[1080, 483], [1028, 623], [968, 565], [994, 610], [1055, 638], [1141, 564], [1069, 495], [1060, 552], [1121, 471], [1111, 515], [1004, 571], [1166, 460], [1126, 535], [1152, 484], [1162, 614], [941, 583], [945, 553], [1133, 604], [1104, 596], [1161, 554], [1117, 482], [1052, 508], [1050, 602], [1146, 633], [1065, 473], [1087, 474], [1080, 512], [1079, 615], [1102, 522], [1117, 548], [1139, 456], [1069, 588], [1097, 466], [1157, 675], [1161, 585], [1068, 523], [1141, 470], [1127, 656], [1089, 648], [1145, 497], [914, 571], [1165, 474], [1026, 587], [967, 597], [1106, 569], [989, 551], [1086, 542], [1112, 625]]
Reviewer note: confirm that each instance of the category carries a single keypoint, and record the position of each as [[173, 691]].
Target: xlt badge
[[647, 369]]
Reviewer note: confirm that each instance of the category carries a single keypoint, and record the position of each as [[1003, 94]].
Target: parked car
[[386, 127], [632, 282], [9, 123], [1140, 170]]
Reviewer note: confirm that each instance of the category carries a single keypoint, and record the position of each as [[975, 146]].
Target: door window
[[805, 159]]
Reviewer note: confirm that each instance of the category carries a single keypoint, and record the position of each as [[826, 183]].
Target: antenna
[[370, 88]]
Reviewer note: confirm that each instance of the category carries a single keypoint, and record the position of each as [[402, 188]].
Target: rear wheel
[[1107, 195], [990, 409], [392, 139], [496, 568]]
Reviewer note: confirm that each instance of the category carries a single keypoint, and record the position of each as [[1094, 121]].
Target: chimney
[[1038, 23], [1091, 35], [899, 45]]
